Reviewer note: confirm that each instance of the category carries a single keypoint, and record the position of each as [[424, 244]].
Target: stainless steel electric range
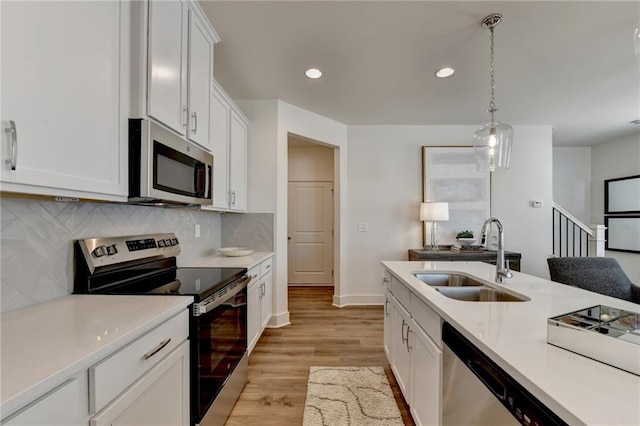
[[146, 264]]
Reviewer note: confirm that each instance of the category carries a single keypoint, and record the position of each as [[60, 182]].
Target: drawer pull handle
[[157, 349]]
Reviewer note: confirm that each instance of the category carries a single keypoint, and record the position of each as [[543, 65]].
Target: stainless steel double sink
[[462, 287]]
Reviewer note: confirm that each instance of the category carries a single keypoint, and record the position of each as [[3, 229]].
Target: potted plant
[[465, 238]]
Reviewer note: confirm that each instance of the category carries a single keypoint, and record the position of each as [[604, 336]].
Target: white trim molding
[[279, 320], [357, 299]]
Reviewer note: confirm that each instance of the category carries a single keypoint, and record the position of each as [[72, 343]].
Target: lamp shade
[[434, 211]]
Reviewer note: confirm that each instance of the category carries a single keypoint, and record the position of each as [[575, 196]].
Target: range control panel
[[99, 252]]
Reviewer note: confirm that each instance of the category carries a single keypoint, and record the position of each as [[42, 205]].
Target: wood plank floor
[[320, 335]]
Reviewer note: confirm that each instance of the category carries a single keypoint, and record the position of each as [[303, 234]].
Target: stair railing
[[572, 238]]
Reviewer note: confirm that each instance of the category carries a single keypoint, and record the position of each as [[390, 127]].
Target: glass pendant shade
[[492, 146]]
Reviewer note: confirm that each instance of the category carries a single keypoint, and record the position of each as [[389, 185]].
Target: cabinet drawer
[[427, 319], [401, 292], [386, 279], [266, 266], [111, 376], [255, 274]]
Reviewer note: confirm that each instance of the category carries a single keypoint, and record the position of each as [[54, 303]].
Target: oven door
[[219, 345]]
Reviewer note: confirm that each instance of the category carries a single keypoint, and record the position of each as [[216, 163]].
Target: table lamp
[[434, 212]]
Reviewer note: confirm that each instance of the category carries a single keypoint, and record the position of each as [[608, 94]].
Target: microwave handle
[[207, 181]]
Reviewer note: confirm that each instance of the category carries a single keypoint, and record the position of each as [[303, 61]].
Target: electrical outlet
[[197, 231], [363, 227]]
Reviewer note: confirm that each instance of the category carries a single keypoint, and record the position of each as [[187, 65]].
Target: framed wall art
[[449, 175], [622, 233], [622, 195]]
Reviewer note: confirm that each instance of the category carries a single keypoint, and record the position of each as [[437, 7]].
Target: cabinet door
[[65, 68], [426, 378], [254, 305], [388, 325], [200, 76], [65, 405], [160, 397], [238, 163], [219, 131], [265, 311], [401, 365], [167, 76]]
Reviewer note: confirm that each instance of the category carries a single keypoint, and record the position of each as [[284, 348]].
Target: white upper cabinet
[[220, 121], [65, 68], [229, 132], [180, 68], [200, 76], [238, 163], [167, 94]]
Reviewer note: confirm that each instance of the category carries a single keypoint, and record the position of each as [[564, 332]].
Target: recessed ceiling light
[[313, 73], [445, 72]]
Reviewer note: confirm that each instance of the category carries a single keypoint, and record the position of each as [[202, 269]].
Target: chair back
[[601, 275]]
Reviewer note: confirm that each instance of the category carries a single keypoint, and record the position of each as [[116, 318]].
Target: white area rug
[[353, 396]]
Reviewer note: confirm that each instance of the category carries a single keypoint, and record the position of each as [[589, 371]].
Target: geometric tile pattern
[[253, 230], [36, 241]]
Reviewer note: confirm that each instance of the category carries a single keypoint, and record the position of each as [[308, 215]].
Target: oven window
[[178, 173], [222, 341]]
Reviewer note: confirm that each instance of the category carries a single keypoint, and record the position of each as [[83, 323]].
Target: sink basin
[[447, 280], [480, 294]]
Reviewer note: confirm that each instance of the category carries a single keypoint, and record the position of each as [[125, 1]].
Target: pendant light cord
[[492, 102]]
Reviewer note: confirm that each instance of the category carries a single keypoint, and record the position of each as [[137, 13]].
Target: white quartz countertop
[[44, 344], [220, 261], [514, 335]]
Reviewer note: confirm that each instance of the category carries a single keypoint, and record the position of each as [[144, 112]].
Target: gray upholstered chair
[[601, 275]]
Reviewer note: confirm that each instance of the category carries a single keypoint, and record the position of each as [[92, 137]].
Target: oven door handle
[[208, 305]]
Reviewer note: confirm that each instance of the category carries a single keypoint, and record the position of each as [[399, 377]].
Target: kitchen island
[[514, 335]]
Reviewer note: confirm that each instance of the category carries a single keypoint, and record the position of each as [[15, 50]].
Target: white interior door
[[310, 256]]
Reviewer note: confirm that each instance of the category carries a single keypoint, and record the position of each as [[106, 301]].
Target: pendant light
[[492, 142]]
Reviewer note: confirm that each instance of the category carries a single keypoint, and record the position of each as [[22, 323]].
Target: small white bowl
[[235, 251], [466, 241]]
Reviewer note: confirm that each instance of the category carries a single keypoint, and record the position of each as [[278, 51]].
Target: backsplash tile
[[36, 250], [253, 230]]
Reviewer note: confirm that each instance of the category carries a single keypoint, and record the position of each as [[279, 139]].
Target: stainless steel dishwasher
[[478, 392]]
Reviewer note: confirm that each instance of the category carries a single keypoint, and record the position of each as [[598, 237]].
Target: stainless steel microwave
[[166, 169]]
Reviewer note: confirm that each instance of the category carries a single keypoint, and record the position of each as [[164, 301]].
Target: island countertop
[[514, 334]]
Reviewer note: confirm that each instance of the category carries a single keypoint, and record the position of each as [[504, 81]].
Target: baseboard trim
[[279, 320], [308, 285], [357, 299]]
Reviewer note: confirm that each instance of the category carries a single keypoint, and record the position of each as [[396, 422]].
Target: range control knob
[[160, 243], [167, 242], [99, 251], [112, 249]]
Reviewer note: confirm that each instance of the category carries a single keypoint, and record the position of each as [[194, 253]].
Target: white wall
[[528, 230], [385, 189], [572, 180], [613, 159], [310, 163], [272, 122]]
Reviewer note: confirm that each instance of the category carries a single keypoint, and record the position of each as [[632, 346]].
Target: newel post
[[596, 243]]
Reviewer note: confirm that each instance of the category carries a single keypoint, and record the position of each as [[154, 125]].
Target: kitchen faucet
[[502, 269]]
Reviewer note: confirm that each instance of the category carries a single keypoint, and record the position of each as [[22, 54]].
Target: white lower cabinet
[[145, 382], [413, 344], [65, 405], [259, 302], [426, 378], [401, 363], [388, 344], [159, 397]]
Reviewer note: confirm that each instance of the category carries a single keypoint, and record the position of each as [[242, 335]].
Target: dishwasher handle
[[490, 378]]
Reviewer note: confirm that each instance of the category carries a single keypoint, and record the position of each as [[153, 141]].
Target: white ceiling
[[570, 65]]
